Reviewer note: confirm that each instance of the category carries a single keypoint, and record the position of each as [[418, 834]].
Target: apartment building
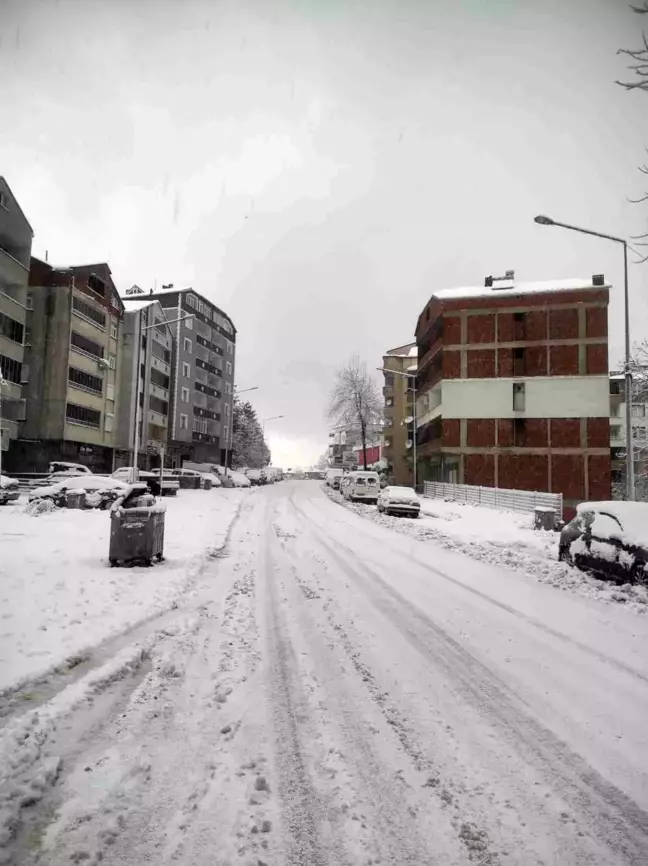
[[398, 394], [618, 438], [15, 250], [202, 385], [72, 329], [145, 358], [513, 386]]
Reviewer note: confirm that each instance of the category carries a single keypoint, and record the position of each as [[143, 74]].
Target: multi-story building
[[618, 438], [513, 386], [145, 356], [15, 250], [398, 394], [71, 346], [202, 376]]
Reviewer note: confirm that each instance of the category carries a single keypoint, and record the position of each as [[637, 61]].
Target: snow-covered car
[[333, 478], [170, 486], [202, 470], [608, 539], [257, 477], [399, 500], [101, 491], [63, 466], [362, 487], [9, 489]]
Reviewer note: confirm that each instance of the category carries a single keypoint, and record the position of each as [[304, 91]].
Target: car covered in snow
[[257, 477], [62, 466], [399, 500], [170, 486], [609, 540], [9, 489], [202, 470], [333, 477], [101, 491], [361, 486], [238, 479]]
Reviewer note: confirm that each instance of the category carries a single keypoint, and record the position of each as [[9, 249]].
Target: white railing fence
[[495, 497]]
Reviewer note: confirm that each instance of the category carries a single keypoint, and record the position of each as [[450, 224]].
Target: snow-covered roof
[[134, 306], [413, 352], [412, 368], [510, 287], [633, 517], [409, 350]]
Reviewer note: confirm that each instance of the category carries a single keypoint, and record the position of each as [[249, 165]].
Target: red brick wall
[[479, 469], [451, 432], [535, 325], [451, 330], [523, 471], [451, 364], [481, 363], [536, 361], [505, 362], [565, 432], [598, 432], [563, 361], [481, 328], [505, 432], [537, 433], [480, 432], [597, 321], [598, 471], [505, 328], [563, 324], [597, 359], [567, 475]]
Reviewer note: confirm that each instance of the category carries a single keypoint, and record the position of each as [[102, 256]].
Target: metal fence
[[495, 497]]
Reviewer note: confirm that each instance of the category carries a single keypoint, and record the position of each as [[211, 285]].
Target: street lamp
[[272, 418], [543, 220], [412, 378], [230, 426], [136, 436]]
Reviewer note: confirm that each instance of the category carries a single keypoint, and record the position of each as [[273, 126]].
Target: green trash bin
[[136, 529]]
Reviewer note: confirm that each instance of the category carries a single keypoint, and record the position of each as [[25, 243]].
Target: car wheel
[[564, 555]]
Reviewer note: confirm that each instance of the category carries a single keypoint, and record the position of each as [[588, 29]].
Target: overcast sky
[[318, 167]]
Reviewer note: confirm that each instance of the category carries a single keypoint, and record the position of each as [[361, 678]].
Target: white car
[[170, 486], [399, 500], [9, 489], [360, 486], [63, 467], [101, 491]]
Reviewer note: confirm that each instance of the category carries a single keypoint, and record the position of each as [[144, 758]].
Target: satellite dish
[[409, 443], [409, 419]]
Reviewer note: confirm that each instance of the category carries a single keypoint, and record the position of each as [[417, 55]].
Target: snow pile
[[58, 594], [500, 538], [39, 506]]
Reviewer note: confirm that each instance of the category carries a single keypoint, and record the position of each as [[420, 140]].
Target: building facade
[[513, 387], [145, 358], [399, 405], [618, 439], [202, 386], [15, 251], [73, 321]]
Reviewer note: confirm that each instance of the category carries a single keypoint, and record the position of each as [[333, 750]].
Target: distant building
[[72, 337], [618, 438], [15, 251], [398, 394], [513, 386], [202, 385], [145, 354]]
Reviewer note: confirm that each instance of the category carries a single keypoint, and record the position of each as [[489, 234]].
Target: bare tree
[[638, 57], [355, 401], [639, 370]]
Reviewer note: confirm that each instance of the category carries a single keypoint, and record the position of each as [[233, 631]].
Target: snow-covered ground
[[334, 692], [58, 594], [501, 538]]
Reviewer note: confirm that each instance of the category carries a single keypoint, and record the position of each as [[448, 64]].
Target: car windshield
[[360, 482]]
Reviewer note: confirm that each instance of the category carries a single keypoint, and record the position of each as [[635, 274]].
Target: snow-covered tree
[[355, 400], [248, 445], [323, 461]]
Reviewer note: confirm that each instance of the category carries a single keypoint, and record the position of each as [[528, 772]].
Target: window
[[230, 348], [389, 380], [200, 425], [85, 381], [160, 352], [228, 368], [519, 362], [519, 432], [82, 415], [518, 326], [615, 431], [519, 396], [639, 410], [29, 303], [97, 285], [111, 362], [191, 301], [228, 388], [108, 424], [188, 323], [88, 311], [24, 375], [160, 379], [187, 345], [184, 422], [110, 392], [159, 406], [10, 369], [113, 331], [614, 411], [85, 346], [184, 395], [11, 329], [615, 387], [186, 370]]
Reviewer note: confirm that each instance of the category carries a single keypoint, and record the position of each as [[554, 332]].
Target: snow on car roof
[[573, 284], [401, 491], [633, 517]]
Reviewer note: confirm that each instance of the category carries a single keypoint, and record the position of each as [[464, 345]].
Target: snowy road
[[337, 693]]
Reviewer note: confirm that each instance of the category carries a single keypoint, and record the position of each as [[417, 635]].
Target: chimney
[[509, 275], [598, 280], [488, 283]]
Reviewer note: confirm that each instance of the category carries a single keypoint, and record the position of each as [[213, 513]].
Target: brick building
[[513, 387]]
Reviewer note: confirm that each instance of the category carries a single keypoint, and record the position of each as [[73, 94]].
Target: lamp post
[[547, 221], [272, 418], [412, 378], [230, 426], [136, 435]]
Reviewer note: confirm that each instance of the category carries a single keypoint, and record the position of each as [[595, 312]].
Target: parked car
[[170, 486], [399, 500], [62, 466], [238, 479], [9, 489], [203, 470], [101, 491], [362, 487], [333, 475], [257, 477], [609, 540]]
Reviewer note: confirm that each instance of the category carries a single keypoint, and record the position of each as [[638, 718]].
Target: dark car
[[608, 539]]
